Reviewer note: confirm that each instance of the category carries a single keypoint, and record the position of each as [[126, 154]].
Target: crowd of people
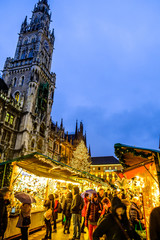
[[103, 215]]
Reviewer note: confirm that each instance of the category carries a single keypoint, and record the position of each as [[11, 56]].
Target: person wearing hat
[[4, 201], [116, 224]]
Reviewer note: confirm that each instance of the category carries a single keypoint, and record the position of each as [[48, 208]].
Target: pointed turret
[[76, 130], [89, 151], [85, 139], [24, 26], [61, 126], [81, 127]]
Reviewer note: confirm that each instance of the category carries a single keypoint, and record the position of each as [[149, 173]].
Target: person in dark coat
[[136, 216], [116, 225], [108, 194], [101, 195], [154, 224], [67, 212], [93, 212], [76, 208], [4, 201], [49, 204]]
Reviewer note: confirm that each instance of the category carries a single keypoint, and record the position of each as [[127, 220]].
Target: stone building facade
[[27, 92], [105, 167]]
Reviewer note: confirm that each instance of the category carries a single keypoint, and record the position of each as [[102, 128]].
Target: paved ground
[[58, 235]]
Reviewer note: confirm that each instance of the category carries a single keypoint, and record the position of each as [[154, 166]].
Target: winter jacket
[[111, 228], [77, 204], [3, 214], [135, 214], [50, 202], [86, 201], [92, 213], [100, 198], [67, 205], [154, 224], [25, 212], [55, 210]]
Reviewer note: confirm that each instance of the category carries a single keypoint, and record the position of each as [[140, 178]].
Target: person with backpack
[[76, 208], [67, 212], [93, 212]]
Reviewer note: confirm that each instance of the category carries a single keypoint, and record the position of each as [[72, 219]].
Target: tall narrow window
[[15, 82], [11, 119], [23, 54], [7, 117], [30, 53], [22, 81]]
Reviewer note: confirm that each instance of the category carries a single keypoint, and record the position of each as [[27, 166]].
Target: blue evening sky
[[107, 61]]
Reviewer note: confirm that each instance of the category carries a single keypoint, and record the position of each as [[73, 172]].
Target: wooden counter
[[37, 221]]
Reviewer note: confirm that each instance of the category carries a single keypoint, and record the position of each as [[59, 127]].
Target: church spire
[[61, 126], [89, 151], [76, 130]]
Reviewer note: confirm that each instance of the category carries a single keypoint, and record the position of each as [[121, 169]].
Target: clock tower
[[30, 81]]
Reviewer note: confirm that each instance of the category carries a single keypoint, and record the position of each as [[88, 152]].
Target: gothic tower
[[31, 82]]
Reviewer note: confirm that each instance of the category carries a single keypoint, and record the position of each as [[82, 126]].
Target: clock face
[[46, 45]]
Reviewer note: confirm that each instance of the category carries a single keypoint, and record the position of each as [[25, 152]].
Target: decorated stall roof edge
[[78, 173], [123, 152]]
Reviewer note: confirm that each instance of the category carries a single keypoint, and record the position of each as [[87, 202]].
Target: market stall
[[39, 176], [142, 167]]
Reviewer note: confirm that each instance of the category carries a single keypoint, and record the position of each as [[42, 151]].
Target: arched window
[[25, 41], [15, 82], [30, 53], [23, 54], [16, 96], [21, 81], [33, 40]]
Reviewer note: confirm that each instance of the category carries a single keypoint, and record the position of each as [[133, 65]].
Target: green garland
[[120, 153], [7, 176]]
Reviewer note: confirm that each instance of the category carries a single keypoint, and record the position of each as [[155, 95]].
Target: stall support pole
[[144, 216], [4, 173], [13, 170], [47, 188]]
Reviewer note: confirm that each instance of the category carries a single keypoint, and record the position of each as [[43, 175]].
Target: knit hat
[[117, 203]]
